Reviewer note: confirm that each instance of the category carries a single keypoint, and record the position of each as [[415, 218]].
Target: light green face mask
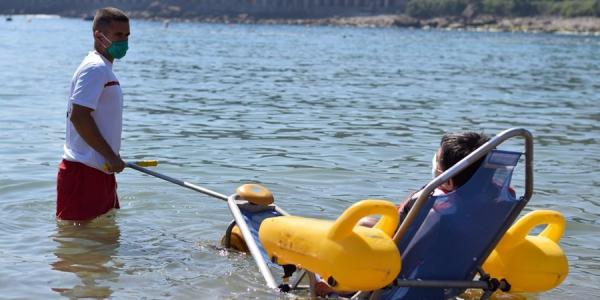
[[118, 49]]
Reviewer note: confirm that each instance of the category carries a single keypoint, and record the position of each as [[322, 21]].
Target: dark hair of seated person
[[456, 146]]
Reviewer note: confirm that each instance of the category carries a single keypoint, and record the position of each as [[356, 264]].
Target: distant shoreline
[[542, 24], [539, 24]]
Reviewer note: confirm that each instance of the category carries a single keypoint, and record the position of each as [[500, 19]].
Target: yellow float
[[531, 263], [255, 193], [349, 256]]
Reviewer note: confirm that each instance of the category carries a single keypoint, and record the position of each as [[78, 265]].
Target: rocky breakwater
[[469, 19], [584, 25], [551, 24]]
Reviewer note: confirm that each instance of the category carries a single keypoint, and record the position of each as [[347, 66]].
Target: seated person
[[453, 148]]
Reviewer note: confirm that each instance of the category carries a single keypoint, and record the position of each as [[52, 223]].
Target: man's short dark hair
[[106, 15], [456, 146]]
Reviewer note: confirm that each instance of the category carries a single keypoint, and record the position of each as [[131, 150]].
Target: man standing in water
[[86, 185]]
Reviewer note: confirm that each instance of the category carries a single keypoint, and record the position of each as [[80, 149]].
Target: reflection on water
[[87, 250]]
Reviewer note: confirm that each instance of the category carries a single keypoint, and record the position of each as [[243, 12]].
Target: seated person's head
[[453, 148]]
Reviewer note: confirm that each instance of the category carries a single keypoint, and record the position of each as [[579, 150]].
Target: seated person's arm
[[406, 204], [403, 209]]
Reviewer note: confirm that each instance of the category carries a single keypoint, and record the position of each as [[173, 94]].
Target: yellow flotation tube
[[351, 257], [531, 263]]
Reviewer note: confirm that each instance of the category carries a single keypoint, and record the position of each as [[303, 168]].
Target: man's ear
[[101, 38], [98, 37]]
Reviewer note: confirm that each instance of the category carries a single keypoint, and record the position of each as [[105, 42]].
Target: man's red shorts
[[83, 193]]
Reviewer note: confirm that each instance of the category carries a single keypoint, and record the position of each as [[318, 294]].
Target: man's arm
[[85, 125]]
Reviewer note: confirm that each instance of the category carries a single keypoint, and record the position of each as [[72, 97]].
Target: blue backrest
[[453, 233], [254, 215]]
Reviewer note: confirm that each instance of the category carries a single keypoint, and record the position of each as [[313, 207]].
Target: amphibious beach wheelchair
[[466, 239]]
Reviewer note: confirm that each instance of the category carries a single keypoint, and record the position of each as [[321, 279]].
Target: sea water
[[322, 116]]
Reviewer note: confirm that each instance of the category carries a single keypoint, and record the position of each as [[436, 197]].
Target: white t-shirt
[[94, 85]]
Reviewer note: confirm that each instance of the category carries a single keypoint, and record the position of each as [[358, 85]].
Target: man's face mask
[[116, 49]]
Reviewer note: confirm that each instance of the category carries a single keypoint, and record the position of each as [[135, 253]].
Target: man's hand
[[116, 164]]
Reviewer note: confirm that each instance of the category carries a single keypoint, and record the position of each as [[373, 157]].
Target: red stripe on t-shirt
[[111, 83]]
